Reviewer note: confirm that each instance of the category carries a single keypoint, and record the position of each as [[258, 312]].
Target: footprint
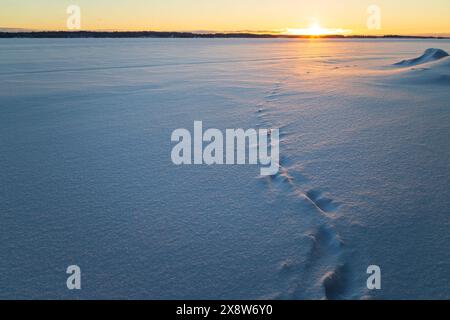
[[281, 182], [336, 283], [324, 204], [325, 243], [327, 248]]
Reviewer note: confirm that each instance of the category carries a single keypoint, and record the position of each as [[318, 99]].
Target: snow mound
[[430, 69], [429, 55]]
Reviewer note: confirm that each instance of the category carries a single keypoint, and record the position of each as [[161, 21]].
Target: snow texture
[[87, 179]]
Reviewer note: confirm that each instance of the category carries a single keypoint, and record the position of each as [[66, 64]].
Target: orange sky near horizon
[[413, 17]]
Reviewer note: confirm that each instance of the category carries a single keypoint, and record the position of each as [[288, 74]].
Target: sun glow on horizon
[[316, 30]]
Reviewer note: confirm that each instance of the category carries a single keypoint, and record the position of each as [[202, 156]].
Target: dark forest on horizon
[[159, 34]]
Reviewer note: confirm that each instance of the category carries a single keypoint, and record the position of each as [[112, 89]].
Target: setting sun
[[316, 30]]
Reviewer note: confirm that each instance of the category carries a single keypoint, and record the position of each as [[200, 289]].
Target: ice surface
[[87, 178]]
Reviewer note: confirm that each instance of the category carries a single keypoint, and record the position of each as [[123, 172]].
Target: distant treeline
[[157, 34]]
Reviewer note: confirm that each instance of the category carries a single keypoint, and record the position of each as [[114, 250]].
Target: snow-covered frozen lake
[[87, 179]]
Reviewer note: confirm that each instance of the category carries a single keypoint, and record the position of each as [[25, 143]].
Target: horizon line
[[204, 34], [212, 32]]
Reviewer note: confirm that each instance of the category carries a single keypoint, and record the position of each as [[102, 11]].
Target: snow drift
[[431, 69], [429, 55]]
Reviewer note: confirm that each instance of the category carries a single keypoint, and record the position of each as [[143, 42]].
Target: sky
[[413, 17]]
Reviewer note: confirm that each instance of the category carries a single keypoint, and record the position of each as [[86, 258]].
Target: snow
[[431, 71], [429, 55], [87, 177]]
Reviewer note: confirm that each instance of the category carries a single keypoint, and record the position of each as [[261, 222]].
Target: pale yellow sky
[[397, 17]]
